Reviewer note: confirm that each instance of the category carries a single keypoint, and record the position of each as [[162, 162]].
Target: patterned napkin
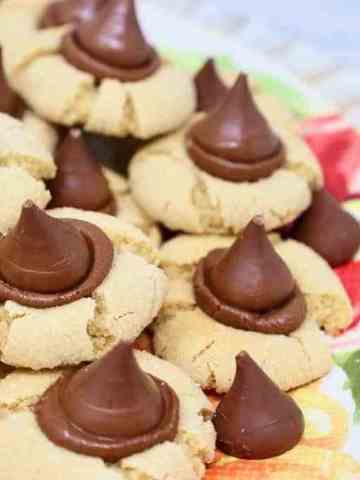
[[330, 449]]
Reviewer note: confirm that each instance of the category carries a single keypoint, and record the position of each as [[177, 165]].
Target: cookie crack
[[202, 352], [306, 354]]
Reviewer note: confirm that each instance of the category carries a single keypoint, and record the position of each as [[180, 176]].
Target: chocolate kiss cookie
[[210, 88], [248, 286], [329, 230], [110, 409], [112, 45], [79, 182], [47, 262], [69, 11], [256, 419], [234, 141], [10, 102]]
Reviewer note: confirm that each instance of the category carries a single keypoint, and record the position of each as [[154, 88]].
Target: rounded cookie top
[[185, 457], [145, 105], [209, 357], [20, 147], [202, 191], [120, 308]]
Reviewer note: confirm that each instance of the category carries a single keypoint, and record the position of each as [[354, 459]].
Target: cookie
[[182, 458], [19, 147], [329, 303], [35, 65], [290, 360], [119, 308], [197, 198]]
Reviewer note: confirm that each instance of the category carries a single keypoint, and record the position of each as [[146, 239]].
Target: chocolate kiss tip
[[61, 12], [43, 254], [255, 419], [211, 90], [329, 230], [114, 397], [251, 275], [112, 44], [80, 182], [234, 141]]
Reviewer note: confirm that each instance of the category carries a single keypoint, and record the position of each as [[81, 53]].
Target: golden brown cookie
[[120, 308], [290, 360], [185, 458], [35, 67], [189, 199]]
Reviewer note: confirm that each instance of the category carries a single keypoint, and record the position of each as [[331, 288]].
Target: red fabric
[[349, 274], [337, 146]]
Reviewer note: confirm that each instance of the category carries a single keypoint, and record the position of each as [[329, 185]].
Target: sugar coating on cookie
[[186, 457], [119, 309], [35, 66], [208, 358]]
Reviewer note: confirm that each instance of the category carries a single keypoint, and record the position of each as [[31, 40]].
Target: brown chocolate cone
[[69, 11], [79, 182], [110, 409], [112, 45], [113, 396], [236, 130], [43, 254], [329, 230], [10, 102], [256, 419], [114, 36], [251, 275], [210, 88]]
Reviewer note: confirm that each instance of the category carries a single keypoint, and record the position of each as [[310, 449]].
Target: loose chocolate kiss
[[210, 88], [255, 419], [249, 287], [110, 409], [329, 230], [79, 182], [46, 262], [234, 141], [112, 45], [10, 102], [69, 11]]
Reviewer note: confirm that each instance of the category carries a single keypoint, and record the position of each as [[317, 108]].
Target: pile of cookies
[[161, 236]]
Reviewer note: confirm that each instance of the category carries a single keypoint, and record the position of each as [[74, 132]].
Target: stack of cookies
[[146, 209]]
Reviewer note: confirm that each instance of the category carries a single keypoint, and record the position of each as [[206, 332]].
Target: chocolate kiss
[[236, 130], [114, 397], [79, 182], [256, 419], [43, 254], [210, 88], [69, 11], [251, 275], [114, 36], [329, 230], [10, 103]]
